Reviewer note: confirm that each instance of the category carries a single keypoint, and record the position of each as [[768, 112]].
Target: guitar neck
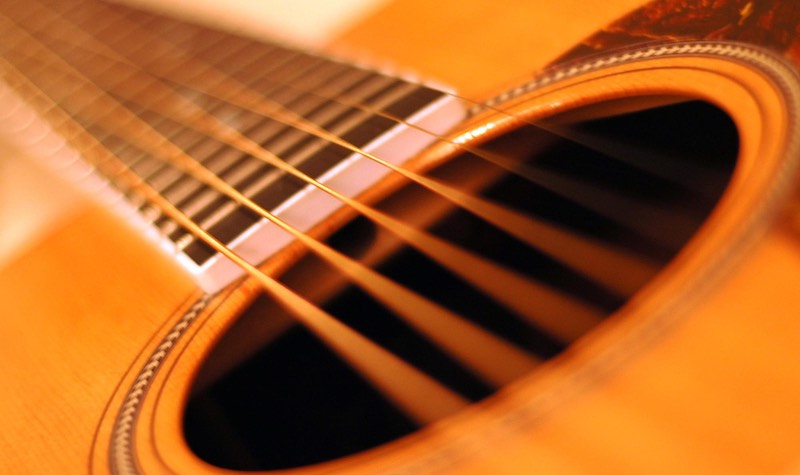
[[207, 120], [601, 256]]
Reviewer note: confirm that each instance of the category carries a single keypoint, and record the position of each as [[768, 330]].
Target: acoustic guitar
[[464, 237]]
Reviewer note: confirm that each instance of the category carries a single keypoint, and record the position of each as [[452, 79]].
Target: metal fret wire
[[314, 245], [638, 268], [388, 373], [149, 170], [518, 308]]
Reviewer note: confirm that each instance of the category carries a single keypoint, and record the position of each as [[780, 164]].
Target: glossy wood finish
[[76, 312], [476, 47], [662, 388], [706, 384]]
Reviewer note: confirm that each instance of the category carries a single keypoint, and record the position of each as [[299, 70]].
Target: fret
[[189, 194], [335, 116], [107, 23], [250, 60], [265, 61], [202, 150], [202, 195], [208, 209], [286, 144], [205, 198], [208, 204], [339, 120], [243, 175], [223, 160], [148, 212], [278, 191], [275, 130], [163, 178], [223, 48], [273, 189], [139, 161], [312, 156], [196, 251], [183, 60], [204, 40], [237, 219], [234, 117], [263, 129], [87, 16], [135, 199], [405, 106], [145, 166], [367, 130], [300, 69]]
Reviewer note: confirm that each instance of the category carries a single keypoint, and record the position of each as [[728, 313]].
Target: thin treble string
[[542, 235], [581, 253], [421, 397], [476, 348], [602, 201], [530, 300]]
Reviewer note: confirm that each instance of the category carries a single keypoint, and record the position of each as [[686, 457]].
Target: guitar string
[[475, 348], [298, 123], [637, 267], [457, 337], [451, 327], [593, 199], [601, 201], [604, 202], [498, 282], [421, 397], [542, 235]]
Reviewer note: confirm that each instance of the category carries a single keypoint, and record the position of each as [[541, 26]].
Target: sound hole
[[273, 396]]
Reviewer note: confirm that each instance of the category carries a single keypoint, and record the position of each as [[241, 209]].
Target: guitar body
[[695, 374]]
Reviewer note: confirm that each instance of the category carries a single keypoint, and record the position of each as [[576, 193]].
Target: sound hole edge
[[257, 407]]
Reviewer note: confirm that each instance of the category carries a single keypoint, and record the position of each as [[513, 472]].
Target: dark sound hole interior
[[272, 396]]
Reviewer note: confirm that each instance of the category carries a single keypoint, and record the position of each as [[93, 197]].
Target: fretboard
[[98, 81]]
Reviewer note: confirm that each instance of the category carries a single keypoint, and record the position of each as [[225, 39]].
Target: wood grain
[[707, 387], [475, 47], [76, 313]]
